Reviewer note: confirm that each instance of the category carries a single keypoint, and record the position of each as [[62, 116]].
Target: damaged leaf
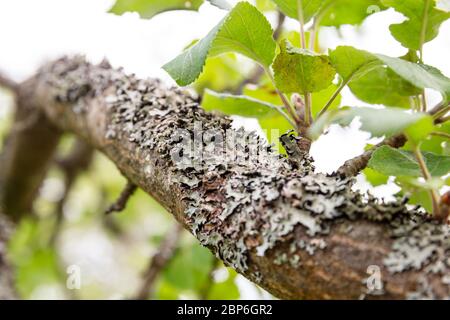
[[302, 71]]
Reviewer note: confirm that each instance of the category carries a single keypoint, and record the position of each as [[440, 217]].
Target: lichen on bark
[[271, 218]]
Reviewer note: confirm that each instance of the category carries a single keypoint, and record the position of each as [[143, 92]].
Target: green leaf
[[225, 290], [374, 177], [221, 73], [379, 122], [436, 144], [339, 12], [416, 195], [420, 130], [274, 125], [147, 9], [190, 267], [422, 23], [322, 122], [302, 71], [290, 8], [395, 162], [265, 5], [420, 75], [351, 63], [244, 30], [265, 93], [237, 105], [382, 86]]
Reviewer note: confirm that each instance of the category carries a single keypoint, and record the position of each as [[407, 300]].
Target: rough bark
[[296, 233]]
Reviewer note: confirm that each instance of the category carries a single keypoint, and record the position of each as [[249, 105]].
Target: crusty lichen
[[235, 200]]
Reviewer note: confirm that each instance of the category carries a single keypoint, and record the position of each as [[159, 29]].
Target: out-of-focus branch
[[161, 259], [122, 201], [26, 155], [77, 161]]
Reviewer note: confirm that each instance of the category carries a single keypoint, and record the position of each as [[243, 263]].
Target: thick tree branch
[[296, 233]]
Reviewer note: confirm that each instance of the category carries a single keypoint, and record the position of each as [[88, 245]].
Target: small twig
[[441, 112], [353, 166], [279, 28], [72, 165], [442, 120], [437, 108], [163, 256], [122, 201]]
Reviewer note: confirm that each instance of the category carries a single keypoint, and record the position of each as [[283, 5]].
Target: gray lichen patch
[[238, 196]]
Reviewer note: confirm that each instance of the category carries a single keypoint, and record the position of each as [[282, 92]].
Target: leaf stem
[[423, 30], [313, 34], [285, 101], [440, 134], [426, 174], [423, 101], [308, 111], [334, 96], [302, 23]]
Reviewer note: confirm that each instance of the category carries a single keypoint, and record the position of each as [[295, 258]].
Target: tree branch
[[123, 198], [77, 161], [159, 261], [26, 155], [353, 166], [296, 233]]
